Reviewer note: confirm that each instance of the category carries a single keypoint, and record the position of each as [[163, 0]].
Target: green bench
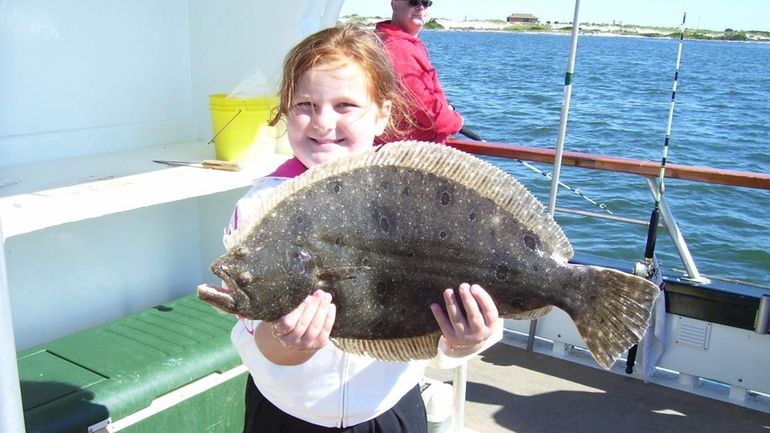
[[171, 369]]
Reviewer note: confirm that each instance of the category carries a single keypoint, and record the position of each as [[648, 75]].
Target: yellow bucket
[[240, 127]]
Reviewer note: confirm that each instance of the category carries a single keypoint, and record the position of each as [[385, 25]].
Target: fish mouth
[[227, 297], [220, 297]]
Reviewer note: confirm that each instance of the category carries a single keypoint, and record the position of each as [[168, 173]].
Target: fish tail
[[616, 311]]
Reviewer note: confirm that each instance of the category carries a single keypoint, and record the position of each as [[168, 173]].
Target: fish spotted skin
[[387, 231]]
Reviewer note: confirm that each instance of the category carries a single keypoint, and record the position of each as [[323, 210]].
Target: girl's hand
[[466, 332], [295, 337]]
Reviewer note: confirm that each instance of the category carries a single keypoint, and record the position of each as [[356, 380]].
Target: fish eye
[[298, 259], [240, 251], [303, 256]]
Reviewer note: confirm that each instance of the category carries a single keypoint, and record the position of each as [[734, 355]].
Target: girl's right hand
[[295, 337]]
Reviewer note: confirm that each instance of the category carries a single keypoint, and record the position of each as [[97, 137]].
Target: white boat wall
[[93, 230], [93, 91]]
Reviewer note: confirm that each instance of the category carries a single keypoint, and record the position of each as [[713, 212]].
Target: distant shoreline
[[585, 29]]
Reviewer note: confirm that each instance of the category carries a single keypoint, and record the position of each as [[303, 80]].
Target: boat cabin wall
[[72, 277], [87, 77]]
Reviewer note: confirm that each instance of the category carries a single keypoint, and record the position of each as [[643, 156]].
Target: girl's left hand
[[465, 331]]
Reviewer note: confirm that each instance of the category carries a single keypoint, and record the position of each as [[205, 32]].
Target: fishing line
[[577, 191]]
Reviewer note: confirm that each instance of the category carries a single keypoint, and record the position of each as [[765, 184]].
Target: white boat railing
[[648, 169], [669, 223]]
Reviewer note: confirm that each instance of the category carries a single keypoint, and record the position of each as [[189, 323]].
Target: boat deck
[[512, 390]]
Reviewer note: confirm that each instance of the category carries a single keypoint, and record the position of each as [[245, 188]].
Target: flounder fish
[[386, 231]]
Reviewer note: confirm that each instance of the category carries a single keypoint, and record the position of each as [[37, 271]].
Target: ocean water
[[510, 87]]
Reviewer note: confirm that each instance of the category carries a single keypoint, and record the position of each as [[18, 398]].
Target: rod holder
[[763, 315]]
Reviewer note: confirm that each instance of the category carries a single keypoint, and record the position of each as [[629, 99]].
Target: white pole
[[331, 13], [458, 386], [560, 142], [11, 412], [564, 111]]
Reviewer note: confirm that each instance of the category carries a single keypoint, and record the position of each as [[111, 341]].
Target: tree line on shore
[[587, 28]]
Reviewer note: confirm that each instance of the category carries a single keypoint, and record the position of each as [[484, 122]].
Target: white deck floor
[[512, 390]]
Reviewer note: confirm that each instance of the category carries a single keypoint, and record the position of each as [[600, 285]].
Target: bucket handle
[[223, 128]]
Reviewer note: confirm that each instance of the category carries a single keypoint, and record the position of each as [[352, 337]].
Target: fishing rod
[[473, 136], [648, 268], [470, 134], [652, 232]]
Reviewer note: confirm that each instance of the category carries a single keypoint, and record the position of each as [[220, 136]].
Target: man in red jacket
[[432, 117]]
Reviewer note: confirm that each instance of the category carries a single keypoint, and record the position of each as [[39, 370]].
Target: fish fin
[[618, 312], [397, 349], [531, 314], [444, 161], [483, 177]]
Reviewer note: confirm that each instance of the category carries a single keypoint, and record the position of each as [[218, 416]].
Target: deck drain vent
[[694, 333]]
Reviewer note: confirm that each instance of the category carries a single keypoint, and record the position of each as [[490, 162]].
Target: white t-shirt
[[333, 388]]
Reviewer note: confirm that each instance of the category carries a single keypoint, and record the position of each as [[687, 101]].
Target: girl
[[337, 94]]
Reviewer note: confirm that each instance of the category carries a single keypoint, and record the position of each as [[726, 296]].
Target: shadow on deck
[[512, 390]]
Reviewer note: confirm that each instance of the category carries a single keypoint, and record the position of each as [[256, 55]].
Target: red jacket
[[435, 120]]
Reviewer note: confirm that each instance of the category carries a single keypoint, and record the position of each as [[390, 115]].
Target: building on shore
[[522, 18]]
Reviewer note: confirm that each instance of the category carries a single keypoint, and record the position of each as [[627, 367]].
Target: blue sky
[[705, 14]]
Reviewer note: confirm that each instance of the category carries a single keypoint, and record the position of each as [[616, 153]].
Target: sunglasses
[[425, 3]]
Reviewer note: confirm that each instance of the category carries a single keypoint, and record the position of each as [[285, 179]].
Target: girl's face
[[333, 114]]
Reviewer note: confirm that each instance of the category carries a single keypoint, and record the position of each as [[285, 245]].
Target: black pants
[[407, 416]]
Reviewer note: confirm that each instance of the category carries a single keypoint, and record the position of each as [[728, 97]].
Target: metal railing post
[[677, 238]]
